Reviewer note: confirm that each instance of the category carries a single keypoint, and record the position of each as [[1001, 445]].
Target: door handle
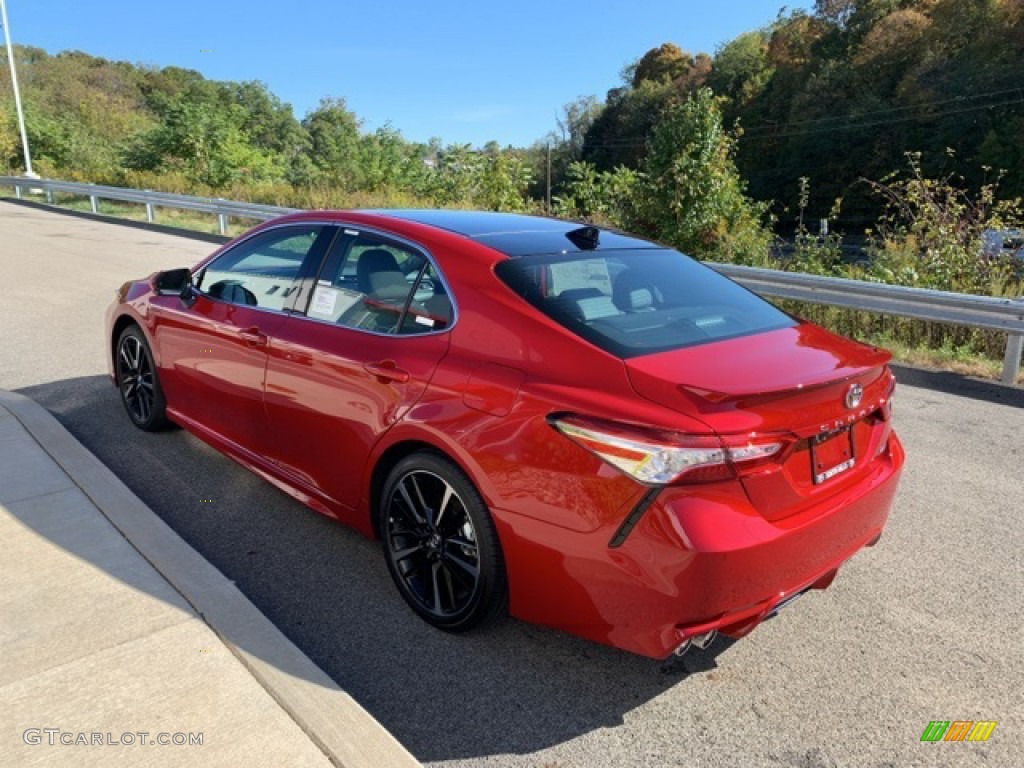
[[386, 369], [253, 337]]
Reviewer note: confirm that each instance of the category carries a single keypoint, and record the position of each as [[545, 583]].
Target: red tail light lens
[[660, 457], [887, 398]]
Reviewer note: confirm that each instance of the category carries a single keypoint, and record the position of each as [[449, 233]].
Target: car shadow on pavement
[[511, 688], [958, 384]]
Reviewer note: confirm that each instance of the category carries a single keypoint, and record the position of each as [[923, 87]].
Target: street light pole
[[17, 95]]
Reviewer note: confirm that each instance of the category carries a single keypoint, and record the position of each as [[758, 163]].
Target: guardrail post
[[1011, 362], [49, 196], [94, 204], [149, 212], [17, 191], [222, 221]]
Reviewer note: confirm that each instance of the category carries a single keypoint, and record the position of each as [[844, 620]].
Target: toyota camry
[[581, 428]]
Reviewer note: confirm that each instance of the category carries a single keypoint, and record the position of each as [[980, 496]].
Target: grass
[[957, 360], [968, 351], [964, 358]]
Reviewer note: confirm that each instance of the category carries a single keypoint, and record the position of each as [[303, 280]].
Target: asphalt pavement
[[925, 626], [121, 646]]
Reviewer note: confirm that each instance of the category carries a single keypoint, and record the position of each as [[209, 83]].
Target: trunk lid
[[793, 381]]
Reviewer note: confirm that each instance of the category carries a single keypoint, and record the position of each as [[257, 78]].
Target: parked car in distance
[[584, 429], [1003, 242]]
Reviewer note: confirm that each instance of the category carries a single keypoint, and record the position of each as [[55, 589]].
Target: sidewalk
[[116, 636]]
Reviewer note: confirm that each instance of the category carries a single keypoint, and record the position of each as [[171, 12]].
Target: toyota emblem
[[853, 395]]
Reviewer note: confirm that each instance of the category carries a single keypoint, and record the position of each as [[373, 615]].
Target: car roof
[[515, 234]]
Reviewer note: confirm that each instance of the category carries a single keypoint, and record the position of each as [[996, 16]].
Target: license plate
[[831, 455]]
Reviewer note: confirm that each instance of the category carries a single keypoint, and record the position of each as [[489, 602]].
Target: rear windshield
[[636, 302]]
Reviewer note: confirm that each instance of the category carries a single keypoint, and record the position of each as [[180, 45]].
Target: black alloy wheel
[[440, 544], [138, 382]]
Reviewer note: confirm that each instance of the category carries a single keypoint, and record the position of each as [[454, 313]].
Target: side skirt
[[273, 474]]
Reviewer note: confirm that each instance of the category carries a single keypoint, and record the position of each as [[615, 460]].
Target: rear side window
[[638, 302], [377, 285]]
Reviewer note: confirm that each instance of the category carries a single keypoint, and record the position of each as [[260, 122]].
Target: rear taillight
[[884, 415], [660, 457], [886, 405]]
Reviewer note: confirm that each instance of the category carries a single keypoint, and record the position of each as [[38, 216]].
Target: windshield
[[636, 302]]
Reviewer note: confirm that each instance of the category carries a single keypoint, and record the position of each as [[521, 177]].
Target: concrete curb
[[332, 719]]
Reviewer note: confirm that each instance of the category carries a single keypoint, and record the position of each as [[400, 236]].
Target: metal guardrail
[[997, 314], [992, 313], [96, 192]]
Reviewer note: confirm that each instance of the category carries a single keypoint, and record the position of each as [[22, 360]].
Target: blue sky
[[464, 71]]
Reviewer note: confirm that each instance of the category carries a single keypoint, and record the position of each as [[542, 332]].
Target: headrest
[[633, 292]]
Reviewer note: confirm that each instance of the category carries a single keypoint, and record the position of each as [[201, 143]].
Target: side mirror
[[174, 282]]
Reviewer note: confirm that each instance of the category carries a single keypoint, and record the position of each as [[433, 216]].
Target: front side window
[[262, 271], [637, 302], [381, 286]]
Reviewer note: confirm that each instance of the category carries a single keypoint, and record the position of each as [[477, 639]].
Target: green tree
[[665, 63], [334, 142], [455, 172], [563, 146], [694, 197], [269, 123], [503, 180], [889, 49], [10, 144], [48, 137], [206, 144], [384, 160], [741, 68], [603, 197], [574, 122], [618, 135]]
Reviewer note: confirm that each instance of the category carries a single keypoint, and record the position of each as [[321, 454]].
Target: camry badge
[[853, 395]]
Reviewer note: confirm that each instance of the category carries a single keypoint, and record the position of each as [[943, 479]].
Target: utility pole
[[17, 95], [547, 197]]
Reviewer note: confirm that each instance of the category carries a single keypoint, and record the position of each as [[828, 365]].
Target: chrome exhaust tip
[[697, 641], [703, 641]]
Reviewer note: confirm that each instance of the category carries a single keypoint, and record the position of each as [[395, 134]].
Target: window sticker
[[324, 301], [581, 273]]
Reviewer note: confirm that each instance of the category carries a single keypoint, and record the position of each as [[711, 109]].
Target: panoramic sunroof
[[476, 223], [514, 234]]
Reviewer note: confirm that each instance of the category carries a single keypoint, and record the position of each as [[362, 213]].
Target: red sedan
[[581, 428]]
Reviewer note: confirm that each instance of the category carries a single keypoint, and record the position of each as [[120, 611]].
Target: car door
[[214, 346], [343, 373]]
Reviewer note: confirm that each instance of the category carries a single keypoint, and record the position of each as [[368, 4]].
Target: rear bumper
[[701, 558]]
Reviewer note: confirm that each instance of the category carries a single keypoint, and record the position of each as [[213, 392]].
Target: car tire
[[138, 381], [440, 544]]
